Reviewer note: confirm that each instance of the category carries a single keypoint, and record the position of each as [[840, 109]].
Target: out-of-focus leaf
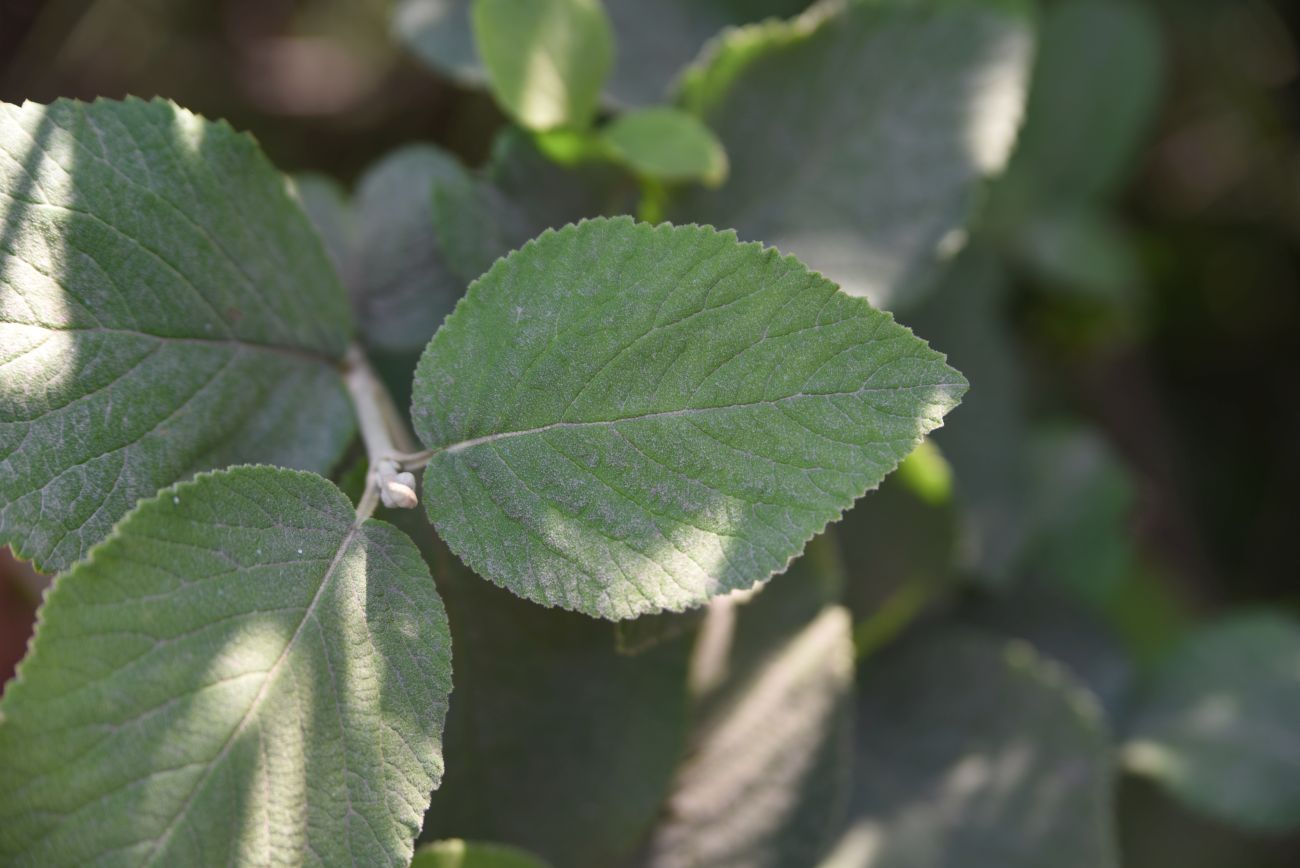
[[986, 442], [243, 673], [766, 778], [1220, 724], [1064, 630], [653, 40], [1081, 508], [401, 283], [555, 742], [165, 308], [329, 209], [546, 60], [457, 853], [668, 145], [625, 419], [1080, 251], [476, 224], [553, 195], [1095, 87], [864, 180], [975, 752]]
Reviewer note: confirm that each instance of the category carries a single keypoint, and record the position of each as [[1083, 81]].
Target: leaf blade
[[613, 475], [165, 308], [228, 582]]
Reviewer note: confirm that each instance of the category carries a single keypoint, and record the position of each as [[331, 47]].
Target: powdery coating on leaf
[[629, 418], [859, 134], [1220, 725], [165, 308], [240, 674]]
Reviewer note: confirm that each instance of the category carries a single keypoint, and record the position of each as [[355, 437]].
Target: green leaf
[[668, 145], [455, 853], [974, 752], [165, 308], [241, 673], [766, 777], [561, 745], [545, 59], [1096, 87], [865, 181], [326, 205], [626, 419], [554, 195], [1218, 726], [653, 40], [401, 281], [476, 224]]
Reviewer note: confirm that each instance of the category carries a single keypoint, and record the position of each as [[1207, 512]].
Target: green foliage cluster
[[651, 422]]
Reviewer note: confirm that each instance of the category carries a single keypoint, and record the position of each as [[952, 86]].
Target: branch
[[382, 430]]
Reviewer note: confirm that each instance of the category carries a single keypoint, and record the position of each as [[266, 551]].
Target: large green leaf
[[973, 752], [859, 133], [1220, 725], [556, 742], [241, 673], [626, 418], [766, 779], [165, 308], [653, 41]]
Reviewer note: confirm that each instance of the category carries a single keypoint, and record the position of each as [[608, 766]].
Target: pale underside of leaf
[[241, 673], [627, 419], [165, 308], [859, 134]]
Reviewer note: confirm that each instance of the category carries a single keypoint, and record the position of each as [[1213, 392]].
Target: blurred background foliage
[[1127, 307]]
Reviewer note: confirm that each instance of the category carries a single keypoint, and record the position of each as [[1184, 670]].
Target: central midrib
[[462, 445]]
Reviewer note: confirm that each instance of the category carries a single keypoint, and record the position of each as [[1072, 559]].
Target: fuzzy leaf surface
[[243, 674], [165, 308], [866, 179], [626, 419]]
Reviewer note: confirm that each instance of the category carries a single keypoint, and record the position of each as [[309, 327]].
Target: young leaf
[[455, 853], [668, 145], [240, 673], [626, 419], [653, 40], [165, 308], [1218, 727], [973, 752], [546, 60], [865, 180]]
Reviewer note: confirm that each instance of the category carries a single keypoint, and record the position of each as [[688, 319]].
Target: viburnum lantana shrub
[[284, 445]]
